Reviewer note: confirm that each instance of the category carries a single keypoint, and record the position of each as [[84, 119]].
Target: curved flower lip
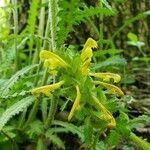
[[75, 104], [107, 116], [90, 43], [47, 89], [106, 76], [47, 55], [111, 88]]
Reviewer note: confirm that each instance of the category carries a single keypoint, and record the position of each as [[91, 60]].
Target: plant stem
[[53, 28], [101, 27], [52, 111], [15, 16], [47, 33], [40, 32], [143, 144], [36, 104], [53, 22], [22, 118]]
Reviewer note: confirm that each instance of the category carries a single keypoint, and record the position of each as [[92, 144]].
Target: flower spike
[[107, 76], [47, 89], [86, 55], [76, 104]]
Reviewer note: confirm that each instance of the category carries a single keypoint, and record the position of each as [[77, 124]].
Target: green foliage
[[55, 140], [112, 61], [113, 138], [4, 90], [35, 129], [70, 127], [76, 15], [14, 110], [40, 145], [32, 14], [144, 119]]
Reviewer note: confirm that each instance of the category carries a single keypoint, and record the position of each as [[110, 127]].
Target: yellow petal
[[107, 116], [75, 104], [86, 54], [107, 76], [52, 64], [85, 67], [111, 88], [90, 43], [44, 55], [47, 89]]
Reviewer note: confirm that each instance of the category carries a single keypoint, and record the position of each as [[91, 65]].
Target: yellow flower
[[107, 76], [52, 60], [75, 104], [87, 54], [107, 116], [85, 67], [87, 49], [47, 89], [90, 43], [111, 88]]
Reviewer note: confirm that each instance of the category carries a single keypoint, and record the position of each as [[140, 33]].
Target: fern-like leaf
[[55, 140], [15, 109], [82, 15], [76, 17], [9, 83], [115, 60], [32, 13], [70, 127]]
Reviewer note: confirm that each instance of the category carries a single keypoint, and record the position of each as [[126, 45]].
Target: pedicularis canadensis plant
[[73, 80], [75, 74]]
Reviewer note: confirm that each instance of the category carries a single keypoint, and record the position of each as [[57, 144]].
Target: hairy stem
[[36, 104], [15, 17], [53, 28], [101, 27], [40, 32], [52, 111], [53, 22], [47, 31], [143, 144]]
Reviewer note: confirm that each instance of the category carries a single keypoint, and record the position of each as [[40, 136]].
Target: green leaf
[[132, 37], [70, 127], [9, 130], [41, 145], [9, 83], [88, 132], [115, 60], [144, 119], [113, 138], [14, 110], [106, 4], [36, 128], [55, 139], [112, 51], [123, 124]]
